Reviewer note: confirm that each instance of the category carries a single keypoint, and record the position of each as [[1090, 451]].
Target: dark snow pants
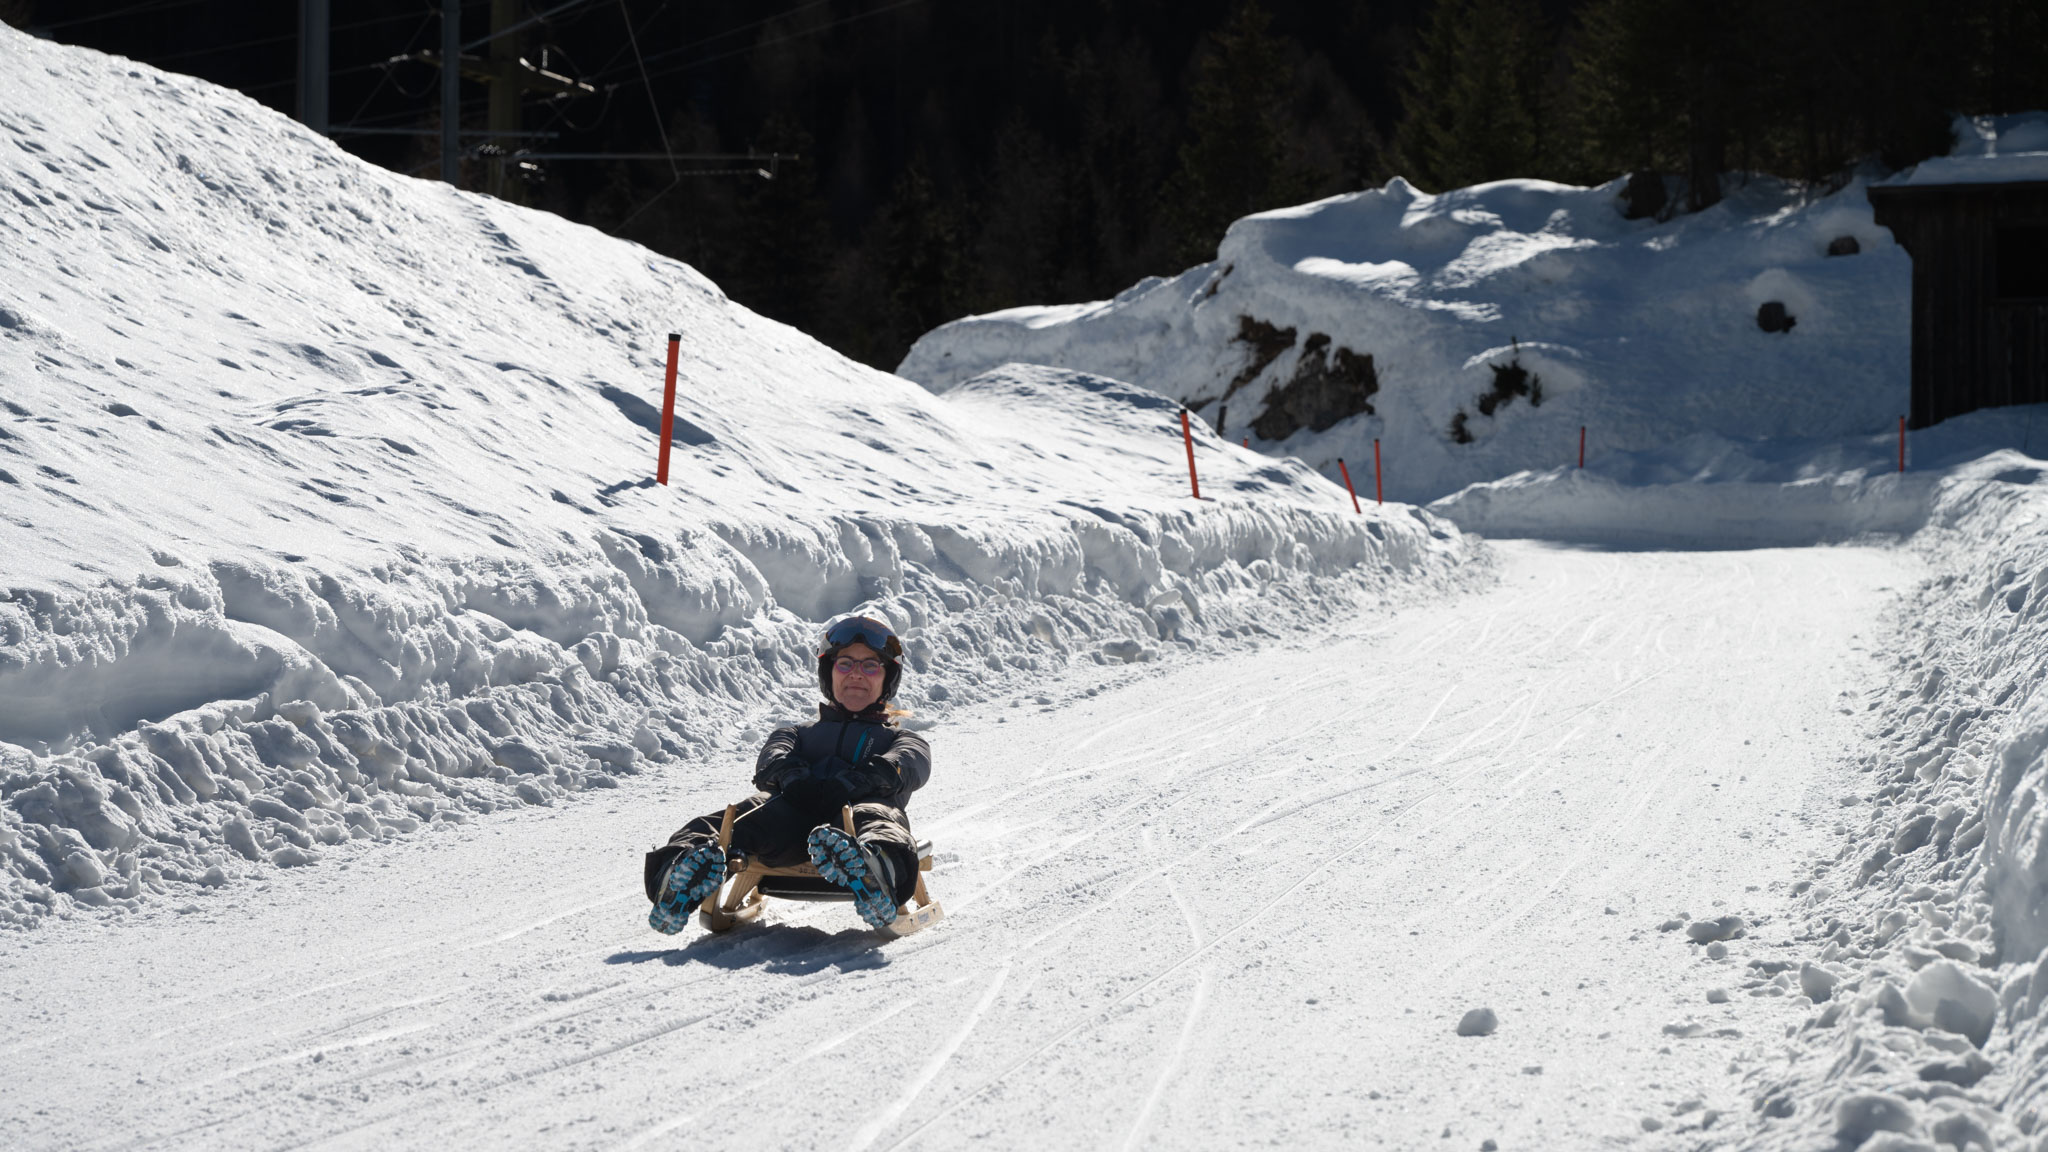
[[775, 831]]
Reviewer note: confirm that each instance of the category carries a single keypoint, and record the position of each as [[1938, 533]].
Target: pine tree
[[921, 264], [1234, 162], [1477, 105], [1025, 224], [1121, 156], [778, 265], [1911, 73], [1667, 85], [2009, 72]]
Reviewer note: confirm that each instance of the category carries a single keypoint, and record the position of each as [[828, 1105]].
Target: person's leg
[[885, 830], [696, 834], [690, 867], [878, 864]]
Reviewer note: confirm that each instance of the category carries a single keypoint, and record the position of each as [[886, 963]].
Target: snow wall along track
[[1920, 961], [324, 509]]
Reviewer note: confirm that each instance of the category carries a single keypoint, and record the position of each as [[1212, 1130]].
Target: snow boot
[[694, 875], [850, 864]]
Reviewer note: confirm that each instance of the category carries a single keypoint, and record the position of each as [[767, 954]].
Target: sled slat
[[916, 920]]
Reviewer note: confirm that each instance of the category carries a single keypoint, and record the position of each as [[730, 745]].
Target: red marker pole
[[668, 408], [1582, 445], [1377, 497], [1188, 438], [1347, 486], [1902, 443]]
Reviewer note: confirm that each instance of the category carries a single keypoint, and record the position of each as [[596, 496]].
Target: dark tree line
[[964, 157], [959, 156], [1698, 92]]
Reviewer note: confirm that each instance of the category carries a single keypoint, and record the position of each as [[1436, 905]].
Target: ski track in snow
[[1344, 843], [1173, 1060]]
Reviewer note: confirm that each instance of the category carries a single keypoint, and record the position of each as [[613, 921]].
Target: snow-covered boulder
[[1473, 332]]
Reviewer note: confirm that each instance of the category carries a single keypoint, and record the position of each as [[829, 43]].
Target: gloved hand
[[829, 783], [778, 774], [878, 778]]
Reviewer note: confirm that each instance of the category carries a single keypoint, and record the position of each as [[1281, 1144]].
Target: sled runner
[[742, 896]]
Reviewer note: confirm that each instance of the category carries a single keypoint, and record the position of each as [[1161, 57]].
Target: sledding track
[[1250, 906]]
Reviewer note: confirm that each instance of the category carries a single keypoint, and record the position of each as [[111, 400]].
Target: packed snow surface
[[1509, 315], [1214, 904], [326, 506]]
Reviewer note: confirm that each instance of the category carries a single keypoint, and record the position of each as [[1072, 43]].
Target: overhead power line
[[385, 79], [250, 89], [239, 45], [132, 9], [808, 32], [771, 157], [624, 48], [731, 32], [526, 23], [634, 38], [487, 70], [352, 130]]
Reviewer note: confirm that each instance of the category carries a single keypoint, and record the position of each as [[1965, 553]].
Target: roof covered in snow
[[1989, 150]]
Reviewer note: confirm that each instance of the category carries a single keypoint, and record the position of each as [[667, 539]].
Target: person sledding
[[853, 757]]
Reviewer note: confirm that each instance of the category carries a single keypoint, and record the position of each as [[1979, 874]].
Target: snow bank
[[1715, 492], [325, 510], [1925, 955], [1517, 311], [1574, 506]]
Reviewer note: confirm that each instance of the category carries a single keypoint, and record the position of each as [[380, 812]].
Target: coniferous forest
[[960, 156]]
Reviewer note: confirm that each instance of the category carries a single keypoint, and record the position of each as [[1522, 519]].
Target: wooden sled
[[742, 897]]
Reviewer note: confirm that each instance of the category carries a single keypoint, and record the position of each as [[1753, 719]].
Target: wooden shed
[[1980, 290]]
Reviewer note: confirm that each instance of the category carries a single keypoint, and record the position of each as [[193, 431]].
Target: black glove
[[778, 774], [878, 778], [829, 783]]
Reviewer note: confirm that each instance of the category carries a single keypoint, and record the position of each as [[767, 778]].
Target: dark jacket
[[887, 763]]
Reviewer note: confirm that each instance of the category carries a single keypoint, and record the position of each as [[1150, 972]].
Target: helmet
[[861, 630]]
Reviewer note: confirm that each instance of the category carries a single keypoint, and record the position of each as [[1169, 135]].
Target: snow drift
[[1714, 492], [1505, 316], [325, 510], [1924, 957]]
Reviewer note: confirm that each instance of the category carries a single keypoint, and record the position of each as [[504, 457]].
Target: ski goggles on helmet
[[862, 630]]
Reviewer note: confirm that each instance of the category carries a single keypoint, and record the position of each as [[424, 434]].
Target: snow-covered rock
[[326, 507], [1391, 315]]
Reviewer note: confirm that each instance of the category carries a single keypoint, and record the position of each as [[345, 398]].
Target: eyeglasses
[[865, 630], [849, 667]]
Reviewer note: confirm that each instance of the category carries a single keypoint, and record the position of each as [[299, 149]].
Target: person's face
[[853, 684]]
